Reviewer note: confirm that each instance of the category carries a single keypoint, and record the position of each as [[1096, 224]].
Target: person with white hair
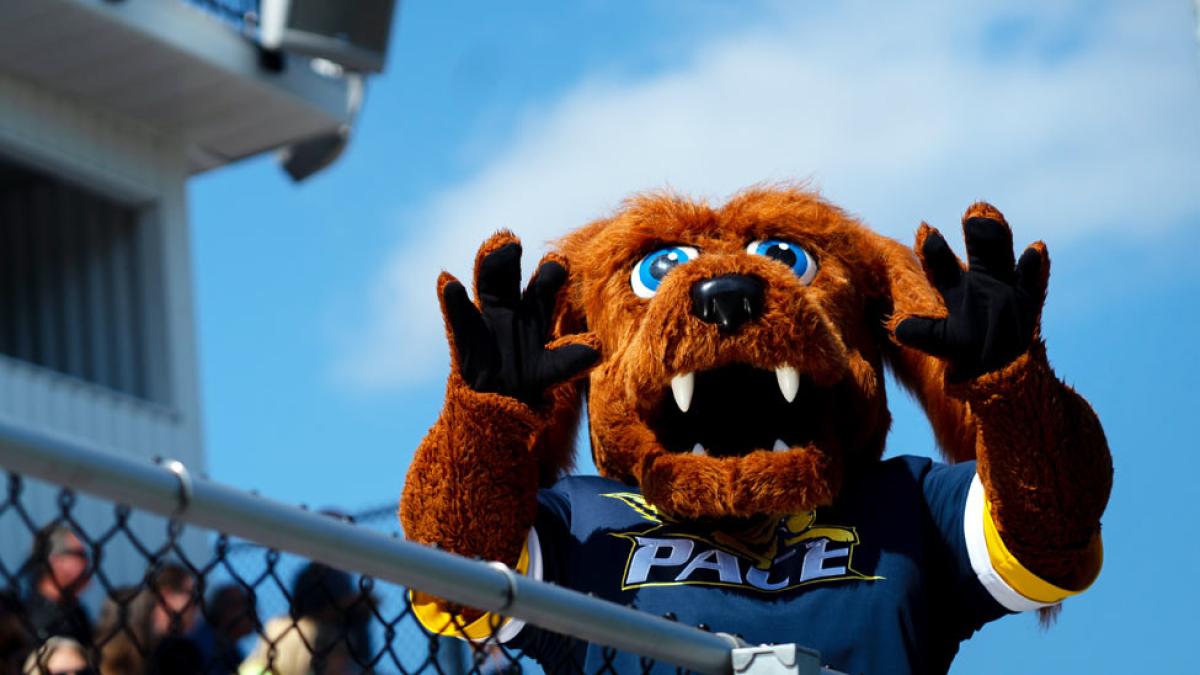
[[58, 655], [290, 646]]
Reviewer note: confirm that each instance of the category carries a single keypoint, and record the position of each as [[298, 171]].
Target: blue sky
[[322, 356]]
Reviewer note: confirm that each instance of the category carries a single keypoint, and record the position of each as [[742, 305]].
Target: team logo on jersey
[[770, 557]]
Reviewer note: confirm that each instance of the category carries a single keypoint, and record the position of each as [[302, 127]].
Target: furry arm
[[471, 488], [509, 413], [1045, 467], [1042, 456]]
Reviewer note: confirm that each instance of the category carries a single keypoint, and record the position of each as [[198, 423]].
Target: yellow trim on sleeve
[[430, 613], [1016, 575]]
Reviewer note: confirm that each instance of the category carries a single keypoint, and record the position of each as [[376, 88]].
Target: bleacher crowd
[[169, 624]]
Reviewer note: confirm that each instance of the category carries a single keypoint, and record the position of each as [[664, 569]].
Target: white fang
[[780, 446], [699, 450], [789, 382], [682, 387]]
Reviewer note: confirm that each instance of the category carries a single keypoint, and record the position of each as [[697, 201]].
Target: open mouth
[[738, 409]]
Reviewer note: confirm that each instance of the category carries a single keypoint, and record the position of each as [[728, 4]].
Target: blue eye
[[792, 255], [650, 271]]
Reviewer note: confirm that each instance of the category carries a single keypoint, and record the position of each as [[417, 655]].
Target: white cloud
[[1086, 123]]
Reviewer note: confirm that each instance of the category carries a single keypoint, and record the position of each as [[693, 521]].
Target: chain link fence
[[119, 566], [93, 586], [130, 593]]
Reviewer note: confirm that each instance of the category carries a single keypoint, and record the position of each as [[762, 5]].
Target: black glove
[[501, 345], [994, 307]]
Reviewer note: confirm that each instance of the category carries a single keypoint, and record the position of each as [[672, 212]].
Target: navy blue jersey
[[903, 567]]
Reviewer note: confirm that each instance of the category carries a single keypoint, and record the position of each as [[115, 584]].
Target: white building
[[107, 107]]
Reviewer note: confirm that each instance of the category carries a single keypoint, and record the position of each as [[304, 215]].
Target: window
[[73, 281]]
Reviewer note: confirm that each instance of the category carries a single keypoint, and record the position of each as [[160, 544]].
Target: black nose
[[729, 300]]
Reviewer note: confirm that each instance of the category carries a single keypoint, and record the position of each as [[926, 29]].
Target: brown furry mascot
[[732, 361]]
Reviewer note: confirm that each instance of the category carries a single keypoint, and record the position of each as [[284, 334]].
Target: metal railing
[[170, 490], [241, 13]]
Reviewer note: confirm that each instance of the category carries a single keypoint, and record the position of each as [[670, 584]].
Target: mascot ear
[[907, 292], [554, 446]]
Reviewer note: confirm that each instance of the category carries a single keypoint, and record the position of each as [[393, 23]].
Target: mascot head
[[743, 349]]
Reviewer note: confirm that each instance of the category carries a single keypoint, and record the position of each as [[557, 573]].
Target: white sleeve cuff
[[981, 558], [512, 627]]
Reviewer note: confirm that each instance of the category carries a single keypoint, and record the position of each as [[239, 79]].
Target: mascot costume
[[732, 362]]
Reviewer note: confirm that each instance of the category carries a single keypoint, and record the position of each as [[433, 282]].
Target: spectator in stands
[[58, 570], [134, 621], [301, 647], [123, 631], [15, 638], [334, 600], [177, 602], [230, 616], [58, 656], [175, 655]]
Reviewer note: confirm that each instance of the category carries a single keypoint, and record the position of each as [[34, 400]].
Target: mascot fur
[[732, 360]]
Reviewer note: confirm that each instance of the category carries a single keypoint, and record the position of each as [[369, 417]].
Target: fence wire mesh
[[89, 586]]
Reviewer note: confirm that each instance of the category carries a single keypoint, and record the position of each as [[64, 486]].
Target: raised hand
[[994, 305], [500, 345]]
